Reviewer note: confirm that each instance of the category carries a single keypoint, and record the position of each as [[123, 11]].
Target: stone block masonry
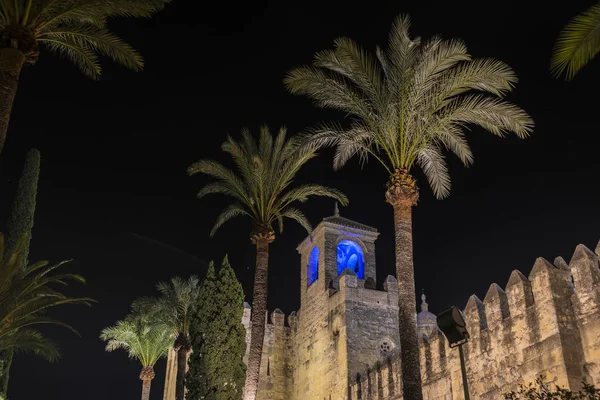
[[545, 324], [342, 344]]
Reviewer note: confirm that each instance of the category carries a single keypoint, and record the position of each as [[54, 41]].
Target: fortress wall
[[319, 351], [372, 321], [547, 324], [275, 367], [586, 301]]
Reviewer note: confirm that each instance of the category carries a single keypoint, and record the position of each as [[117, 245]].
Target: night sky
[[114, 195]]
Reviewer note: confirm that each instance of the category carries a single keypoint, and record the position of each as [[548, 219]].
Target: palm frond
[[351, 61], [230, 212], [145, 342], [177, 302], [328, 91], [84, 58], [408, 102], [434, 167], [93, 11], [78, 29], [31, 341], [298, 216], [497, 116], [97, 40], [26, 294], [262, 182], [577, 43], [229, 181]]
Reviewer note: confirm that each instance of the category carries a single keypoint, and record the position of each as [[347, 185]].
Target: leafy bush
[[544, 391]]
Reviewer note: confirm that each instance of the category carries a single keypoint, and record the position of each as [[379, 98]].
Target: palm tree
[[261, 191], [26, 294], [143, 340], [407, 104], [577, 43], [174, 308], [75, 29]]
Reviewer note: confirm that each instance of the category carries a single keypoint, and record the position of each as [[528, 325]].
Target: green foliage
[[75, 29], [145, 340], [216, 366], [409, 103], [23, 211], [177, 301], [261, 185], [20, 224], [577, 43], [542, 391], [26, 295]]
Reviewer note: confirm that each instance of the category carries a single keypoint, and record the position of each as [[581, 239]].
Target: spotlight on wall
[[453, 326]]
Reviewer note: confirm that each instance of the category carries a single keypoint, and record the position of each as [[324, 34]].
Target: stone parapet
[[547, 324]]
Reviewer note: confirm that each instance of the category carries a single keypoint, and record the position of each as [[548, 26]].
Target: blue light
[[350, 256], [312, 270]]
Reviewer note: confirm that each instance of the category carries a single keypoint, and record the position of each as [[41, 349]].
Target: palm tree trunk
[[182, 353], [259, 310], [403, 194], [146, 376], [409, 345], [146, 389], [11, 62]]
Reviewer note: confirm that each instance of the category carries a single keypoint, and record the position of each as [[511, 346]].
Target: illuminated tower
[[344, 323]]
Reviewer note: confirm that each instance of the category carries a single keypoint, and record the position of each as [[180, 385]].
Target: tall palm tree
[[143, 340], [261, 190], [75, 29], [577, 43], [406, 105], [174, 308], [26, 294]]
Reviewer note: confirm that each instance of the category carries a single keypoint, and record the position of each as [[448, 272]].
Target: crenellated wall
[[547, 324], [342, 343], [275, 366]]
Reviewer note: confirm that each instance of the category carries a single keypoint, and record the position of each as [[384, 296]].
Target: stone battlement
[[545, 324], [282, 341], [365, 290], [343, 342]]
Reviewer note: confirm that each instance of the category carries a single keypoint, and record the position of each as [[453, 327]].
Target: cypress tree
[[216, 367], [20, 224], [23, 210]]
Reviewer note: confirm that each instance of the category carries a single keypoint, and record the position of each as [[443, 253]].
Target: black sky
[[114, 195]]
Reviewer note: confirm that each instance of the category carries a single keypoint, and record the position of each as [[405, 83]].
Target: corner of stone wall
[[586, 279]]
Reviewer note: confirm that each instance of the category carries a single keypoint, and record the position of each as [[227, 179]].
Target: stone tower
[[344, 324]]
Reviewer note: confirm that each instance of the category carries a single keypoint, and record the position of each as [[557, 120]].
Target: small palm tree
[[143, 340], [577, 43], [261, 190], [174, 308], [407, 105], [75, 29], [26, 294]]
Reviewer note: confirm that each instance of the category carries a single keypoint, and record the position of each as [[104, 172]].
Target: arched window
[[350, 255], [312, 271]]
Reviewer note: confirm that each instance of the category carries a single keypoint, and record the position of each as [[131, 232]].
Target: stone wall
[[547, 324], [371, 322], [275, 367], [341, 345]]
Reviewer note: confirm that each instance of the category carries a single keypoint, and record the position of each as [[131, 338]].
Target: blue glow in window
[[350, 255], [312, 271]]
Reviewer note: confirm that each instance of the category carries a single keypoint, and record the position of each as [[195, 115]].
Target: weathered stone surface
[[560, 263], [342, 343]]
